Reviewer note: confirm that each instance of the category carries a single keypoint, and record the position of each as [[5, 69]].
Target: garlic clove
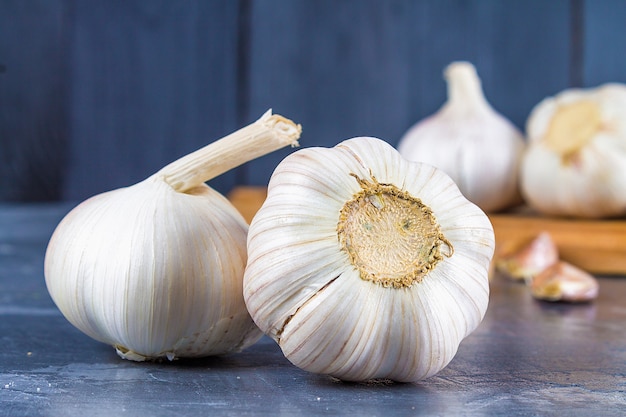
[[466, 138], [378, 265], [575, 164], [564, 282], [532, 258], [155, 269]]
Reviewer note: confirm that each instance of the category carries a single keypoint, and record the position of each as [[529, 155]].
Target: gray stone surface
[[527, 358]]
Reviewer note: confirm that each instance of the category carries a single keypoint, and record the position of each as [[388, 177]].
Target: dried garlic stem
[[464, 86], [267, 134]]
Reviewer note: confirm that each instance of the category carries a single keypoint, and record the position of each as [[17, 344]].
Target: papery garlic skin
[[156, 269], [303, 291], [575, 164], [466, 138]]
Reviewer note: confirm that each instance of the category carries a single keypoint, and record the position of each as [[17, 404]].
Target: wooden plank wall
[[33, 100], [98, 95]]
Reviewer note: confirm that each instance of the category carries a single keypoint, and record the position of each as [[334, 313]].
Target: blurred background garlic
[[364, 265], [575, 164], [475, 145], [156, 269]]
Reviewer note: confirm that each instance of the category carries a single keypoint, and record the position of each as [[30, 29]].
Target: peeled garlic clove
[[564, 282], [526, 262], [575, 164], [478, 147], [364, 265], [156, 269]]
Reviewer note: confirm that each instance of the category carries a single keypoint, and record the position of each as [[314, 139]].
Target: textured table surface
[[526, 358]]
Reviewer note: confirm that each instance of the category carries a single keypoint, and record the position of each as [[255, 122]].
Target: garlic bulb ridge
[[155, 269], [470, 141], [363, 265]]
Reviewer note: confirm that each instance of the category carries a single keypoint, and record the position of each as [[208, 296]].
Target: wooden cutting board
[[597, 246]]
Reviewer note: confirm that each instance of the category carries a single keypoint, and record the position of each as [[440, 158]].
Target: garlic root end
[[124, 353]]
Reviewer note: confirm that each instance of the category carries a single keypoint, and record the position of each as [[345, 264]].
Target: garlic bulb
[[470, 141], [363, 265], [156, 269], [575, 164]]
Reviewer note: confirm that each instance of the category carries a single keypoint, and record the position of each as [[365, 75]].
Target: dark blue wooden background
[[95, 95]]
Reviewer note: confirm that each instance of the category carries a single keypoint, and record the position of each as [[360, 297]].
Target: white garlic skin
[[302, 290], [154, 272], [471, 142], [593, 183]]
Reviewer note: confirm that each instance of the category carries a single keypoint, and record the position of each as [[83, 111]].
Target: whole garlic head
[[156, 269], [363, 265], [153, 272], [470, 141], [575, 164]]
